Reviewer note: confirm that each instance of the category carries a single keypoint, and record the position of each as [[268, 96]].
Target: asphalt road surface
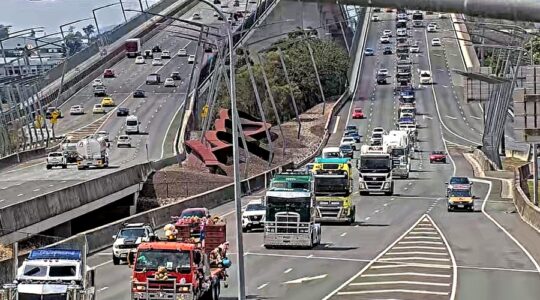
[[405, 246], [155, 112]]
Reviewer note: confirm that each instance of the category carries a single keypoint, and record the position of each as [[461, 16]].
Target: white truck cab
[[132, 124]]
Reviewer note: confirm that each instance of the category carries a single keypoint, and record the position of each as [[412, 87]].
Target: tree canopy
[[4, 31], [332, 64]]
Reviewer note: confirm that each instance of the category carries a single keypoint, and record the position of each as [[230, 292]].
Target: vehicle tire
[[269, 246], [49, 167], [444, 161], [449, 208], [215, 291], [244, 229], [364, 193], [353, 217], [64, 166], [116, 260]]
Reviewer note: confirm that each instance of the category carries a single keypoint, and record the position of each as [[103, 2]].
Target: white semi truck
[[399, 147], [55, 274], [375, 171], [93, 152]]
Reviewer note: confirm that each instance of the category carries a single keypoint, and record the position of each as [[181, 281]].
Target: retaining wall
[[526, 209]]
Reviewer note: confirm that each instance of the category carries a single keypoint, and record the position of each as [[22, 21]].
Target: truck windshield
[[374, 164], [192, 213], [397, 152], [254, 207], [151, 259], [131, 233], [26, 296], [331, 186], [301, 206], [62, 271], [291, 185], [460, 193], [132, 123], [331, 155]]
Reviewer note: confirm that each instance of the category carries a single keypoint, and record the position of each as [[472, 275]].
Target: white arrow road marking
[[300, 280], [453, 118]]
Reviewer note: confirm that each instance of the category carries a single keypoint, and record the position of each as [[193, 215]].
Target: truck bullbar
[[154, 289]]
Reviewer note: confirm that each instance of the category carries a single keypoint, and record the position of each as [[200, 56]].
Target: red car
[[437, 156], [108, 73], [358, 113]]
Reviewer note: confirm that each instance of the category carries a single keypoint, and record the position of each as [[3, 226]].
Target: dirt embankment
[[176, 182]]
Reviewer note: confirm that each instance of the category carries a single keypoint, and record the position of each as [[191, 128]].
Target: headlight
[[386, 185]]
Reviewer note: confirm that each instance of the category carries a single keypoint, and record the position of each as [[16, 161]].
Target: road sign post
[[204, 112]]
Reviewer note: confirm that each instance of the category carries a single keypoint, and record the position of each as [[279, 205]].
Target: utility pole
[[535, 174], [290, 90], [317, 75]]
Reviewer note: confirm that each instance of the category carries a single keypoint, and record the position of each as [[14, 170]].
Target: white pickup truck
[[56, 159]]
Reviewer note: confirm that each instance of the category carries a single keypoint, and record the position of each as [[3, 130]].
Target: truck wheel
[[244, 229], [362, 193], [49, 167], [64, 166], [116, 260], [353, 217]]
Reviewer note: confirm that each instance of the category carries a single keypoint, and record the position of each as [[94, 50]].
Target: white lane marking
[[371, 262], [393, 291], [497, 269], [5, 188], [103, 288], [2, 200], [262, 286], [343, 234], [29, 166], [475, 117], [421, 242], [422, 237], [445, 86], [417, 253], [376, 211], [453, 118], [288, 270], [415, 265], [103, 264], [419, 247], [400, 282], [452, 257], [337, 124], [36, 190], [486, 199], [19, 195], [407, 274], [398, 259], [300, 280], [424, 232], [367, 218]]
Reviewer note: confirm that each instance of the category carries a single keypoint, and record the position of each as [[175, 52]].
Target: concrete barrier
[[526, 209], [23, 156], [485, 163]]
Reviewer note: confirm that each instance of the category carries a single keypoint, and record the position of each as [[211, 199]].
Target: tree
[[74, 41], [332, 64], [88, 30], [4, 31]]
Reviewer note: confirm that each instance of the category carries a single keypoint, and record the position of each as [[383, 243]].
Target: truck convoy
[[333, 179], [93, 152], [55, 274], [399, 147], [375, 171], [133, 47], [180, 267], [290, 212]]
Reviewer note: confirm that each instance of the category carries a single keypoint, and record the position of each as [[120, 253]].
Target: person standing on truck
[[202, 226]]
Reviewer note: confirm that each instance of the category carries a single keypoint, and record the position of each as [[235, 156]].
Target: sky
[[22, 14]]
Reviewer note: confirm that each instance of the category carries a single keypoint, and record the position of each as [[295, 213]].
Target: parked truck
[[375, 171], [70, 152], [93, 152], [290, 212], [399, 147], [179, 267], [333, 189], [56, 274], [133, 47]]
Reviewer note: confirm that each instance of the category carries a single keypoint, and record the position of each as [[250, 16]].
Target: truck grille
[[329, 212], [127, 246], [255, 218]]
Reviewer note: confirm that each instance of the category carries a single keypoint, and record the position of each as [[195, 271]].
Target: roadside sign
[[204, 112], [54, 120], [54, 117], [39, 121]]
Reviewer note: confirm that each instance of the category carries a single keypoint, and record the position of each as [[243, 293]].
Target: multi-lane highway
[[155, 112], [405, 246]]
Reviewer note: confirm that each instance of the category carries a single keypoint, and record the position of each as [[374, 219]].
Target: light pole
[[17, 34]]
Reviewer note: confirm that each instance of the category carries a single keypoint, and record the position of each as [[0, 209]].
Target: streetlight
[[17, 34]]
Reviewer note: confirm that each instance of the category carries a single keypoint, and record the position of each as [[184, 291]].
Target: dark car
[[176, 76], [387, 50], [138, 94], [122, 112], [156, 49], [351, 128], [354, 135], [153, 78], [148, 54], [346, 151], [381, 79]]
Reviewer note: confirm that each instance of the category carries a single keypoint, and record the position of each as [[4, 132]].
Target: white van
[[331, 152], [132, 124]]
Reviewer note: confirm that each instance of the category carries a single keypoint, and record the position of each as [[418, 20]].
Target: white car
[[348, 141], [375, 18], [157, 62], [253, 216], [97, 82], [432, 27], [376, 138], [191, 59], [378, 130], [98, 109], [385, 39], [128, 238], [182, 52], [425, 77], [436, 42], [76, 110], [401, 32], [123, 141], [414, 49], [139, 60], [56, 159], [442, 16], [104, 134], [169, 82], [387, 32], [165, 54], [382, 72], [196, 16]]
